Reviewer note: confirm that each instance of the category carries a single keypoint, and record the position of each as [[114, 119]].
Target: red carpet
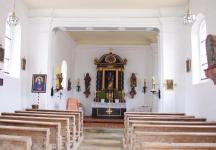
[[107, 123]]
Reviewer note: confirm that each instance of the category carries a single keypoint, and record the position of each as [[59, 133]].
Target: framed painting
[[39, 83], [169, 84]]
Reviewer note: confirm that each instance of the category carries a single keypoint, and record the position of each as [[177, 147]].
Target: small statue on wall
[[59, 80], [133, 85], [87, 85]]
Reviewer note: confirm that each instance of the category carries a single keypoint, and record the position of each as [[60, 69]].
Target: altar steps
[[107, 123]]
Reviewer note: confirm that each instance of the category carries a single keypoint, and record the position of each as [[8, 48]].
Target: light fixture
[[189, 18], [153, 90], [13, 20]]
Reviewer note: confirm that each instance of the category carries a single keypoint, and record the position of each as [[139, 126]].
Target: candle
[[144, 82], [153, 80]]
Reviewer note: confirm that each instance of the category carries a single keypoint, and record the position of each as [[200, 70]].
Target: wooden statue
[[87, 85], [133, 84]]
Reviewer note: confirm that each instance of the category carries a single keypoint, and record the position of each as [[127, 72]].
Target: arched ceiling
[[104, 4]]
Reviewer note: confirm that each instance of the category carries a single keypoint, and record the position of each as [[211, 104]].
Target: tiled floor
[[102, 139]]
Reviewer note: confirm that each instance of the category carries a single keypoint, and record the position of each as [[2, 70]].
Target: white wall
[[62, 48], [200, 98], [140, 61], [12, 92]]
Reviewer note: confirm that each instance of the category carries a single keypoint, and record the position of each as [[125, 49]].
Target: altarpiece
[[109, 99]]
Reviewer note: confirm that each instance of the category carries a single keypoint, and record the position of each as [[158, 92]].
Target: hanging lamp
[[13, 20], [189, 18]]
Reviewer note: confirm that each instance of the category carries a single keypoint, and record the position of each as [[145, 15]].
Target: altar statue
[[110, 82]]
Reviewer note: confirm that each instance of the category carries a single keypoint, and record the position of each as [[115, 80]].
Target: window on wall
[[199, 58], [202, 48], [12, 50], [64, 73]]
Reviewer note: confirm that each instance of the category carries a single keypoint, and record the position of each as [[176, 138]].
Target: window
[[64, 73], [202, 48], [12, 50], [199, 58]]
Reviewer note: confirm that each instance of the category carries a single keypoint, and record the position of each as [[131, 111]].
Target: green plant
[[102, 94]]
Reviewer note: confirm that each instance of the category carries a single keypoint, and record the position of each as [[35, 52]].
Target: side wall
[[12, 92], [200, 98]]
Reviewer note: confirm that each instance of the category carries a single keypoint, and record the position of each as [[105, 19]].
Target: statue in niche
[[211, 50], [87, 85], [110, 82], [59, 79], [133, 84]]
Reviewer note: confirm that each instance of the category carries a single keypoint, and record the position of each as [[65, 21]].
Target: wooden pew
[[72, 125], [65, 131], [76, 116], [39, 136], [177, 146], [171, 137], [55, 136], [70, 111], [11, 142], [156, 118], [168, 128]]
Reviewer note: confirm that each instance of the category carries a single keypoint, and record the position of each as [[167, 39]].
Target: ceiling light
[[13, 20], [189, 18]]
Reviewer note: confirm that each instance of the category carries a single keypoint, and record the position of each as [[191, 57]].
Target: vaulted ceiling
[[104, 4]]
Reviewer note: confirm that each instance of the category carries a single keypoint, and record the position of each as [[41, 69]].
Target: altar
[[109, 99], [108, 110]]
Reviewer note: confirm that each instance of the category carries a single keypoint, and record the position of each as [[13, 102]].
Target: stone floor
[[102, 139]]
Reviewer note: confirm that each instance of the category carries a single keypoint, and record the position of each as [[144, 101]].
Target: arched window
[[199, 58], [64, 73], [12, 50]]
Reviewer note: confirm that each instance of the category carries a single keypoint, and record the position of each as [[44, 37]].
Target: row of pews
[[167, 131], [41, 130]]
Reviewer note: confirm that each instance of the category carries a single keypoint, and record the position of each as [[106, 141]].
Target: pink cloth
[[72, 104]]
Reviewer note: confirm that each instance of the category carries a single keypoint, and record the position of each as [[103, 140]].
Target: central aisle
[[102, 139]]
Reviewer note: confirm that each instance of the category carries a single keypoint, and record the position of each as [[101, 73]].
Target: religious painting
[[39, 83], [169, 84]]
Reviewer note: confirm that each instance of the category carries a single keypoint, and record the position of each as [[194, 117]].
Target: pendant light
[[189, 18], [13, 20]]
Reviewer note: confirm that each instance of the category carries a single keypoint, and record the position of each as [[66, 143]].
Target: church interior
[[107, 75]]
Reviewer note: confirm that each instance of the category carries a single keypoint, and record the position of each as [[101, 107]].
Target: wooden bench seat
[[39, 136], [177, 146], [171, 137], [65, 131], [167, 128], [72, 126], [12, 142], [182, 119], [55, 136], [76, 116], [64, 111]]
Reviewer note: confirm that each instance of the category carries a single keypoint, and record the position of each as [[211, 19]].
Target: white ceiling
[[114, 37], [104, 4]]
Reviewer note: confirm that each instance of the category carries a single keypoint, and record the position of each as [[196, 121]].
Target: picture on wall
[[39, 83], [169, 84]]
